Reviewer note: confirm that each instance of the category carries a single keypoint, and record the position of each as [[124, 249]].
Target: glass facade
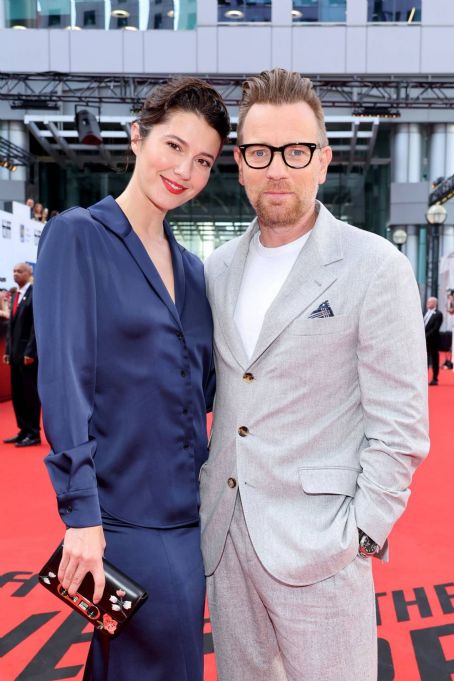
[[319, 10], [234, 11], [394, 10], [132, 15]]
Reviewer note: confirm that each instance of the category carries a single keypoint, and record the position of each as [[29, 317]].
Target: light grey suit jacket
[[336, 410]]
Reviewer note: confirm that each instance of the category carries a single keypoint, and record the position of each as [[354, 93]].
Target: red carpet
[[40, 641]]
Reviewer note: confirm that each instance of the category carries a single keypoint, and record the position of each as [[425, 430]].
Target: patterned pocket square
[[323, 310]]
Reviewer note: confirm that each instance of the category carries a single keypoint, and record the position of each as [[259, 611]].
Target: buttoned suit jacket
[[335, 407], [20, 340]]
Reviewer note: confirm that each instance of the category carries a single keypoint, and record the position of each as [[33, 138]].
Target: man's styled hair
[[280, 86]]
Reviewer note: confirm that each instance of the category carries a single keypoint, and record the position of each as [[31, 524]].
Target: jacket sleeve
[[392, 368], [30, 350], [438, 321], [8, 334], [64, 298], [210, 387]]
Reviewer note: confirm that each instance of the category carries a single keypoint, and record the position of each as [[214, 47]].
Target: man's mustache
[[277, 187]]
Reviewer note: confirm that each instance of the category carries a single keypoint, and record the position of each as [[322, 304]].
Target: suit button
[[183, 373], [231, 483], [243, 431], [179, 335], [68, 509], [248, 377]]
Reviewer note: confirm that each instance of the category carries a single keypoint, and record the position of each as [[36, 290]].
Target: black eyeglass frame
[[311, 146]]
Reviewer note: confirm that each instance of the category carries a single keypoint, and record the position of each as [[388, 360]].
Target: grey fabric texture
[[265, 630], [336, 411]]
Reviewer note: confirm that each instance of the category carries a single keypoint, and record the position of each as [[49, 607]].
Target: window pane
[[20, 13], [305, 10], [332, 10], [172, 15], [244, 10], [90, 14], [319, 10], [54, 13], [394, 10]]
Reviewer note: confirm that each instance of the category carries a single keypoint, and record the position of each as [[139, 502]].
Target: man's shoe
[[431, 383], [29, 442], [12, 440]]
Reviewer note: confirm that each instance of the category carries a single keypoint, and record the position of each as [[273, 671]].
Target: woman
[[124, 336]]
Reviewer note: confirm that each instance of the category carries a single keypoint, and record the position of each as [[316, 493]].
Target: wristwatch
[[367, 546]]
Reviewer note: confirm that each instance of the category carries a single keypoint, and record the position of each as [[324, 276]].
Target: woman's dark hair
[[185, 94]]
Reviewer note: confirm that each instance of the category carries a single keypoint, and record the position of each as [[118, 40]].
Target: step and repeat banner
[[19, 238]]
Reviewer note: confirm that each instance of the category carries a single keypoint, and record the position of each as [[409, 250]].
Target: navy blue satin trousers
[[164, 639]]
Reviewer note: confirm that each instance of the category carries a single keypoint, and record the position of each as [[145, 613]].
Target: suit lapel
[[309, 278], [21, 305], [226, 290], [109, 213], [307, 281]]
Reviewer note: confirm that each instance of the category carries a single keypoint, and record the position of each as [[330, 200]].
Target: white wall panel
[[170, 51], [356, 12], [437, 12], [96, 51], [319, 49], [393, 49], [207, 12], [437, 49], [356, 47], [133, 57], [244, 49], [281, 47], [59, 57], [24, 50], [281, 12], [207, 49]]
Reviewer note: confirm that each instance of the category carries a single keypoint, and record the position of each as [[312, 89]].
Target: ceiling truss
[[50, 90]]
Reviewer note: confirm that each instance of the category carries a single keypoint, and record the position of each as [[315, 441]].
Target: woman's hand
[[83, 550]]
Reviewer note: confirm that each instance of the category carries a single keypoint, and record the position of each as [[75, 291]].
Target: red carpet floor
[[40, 641]]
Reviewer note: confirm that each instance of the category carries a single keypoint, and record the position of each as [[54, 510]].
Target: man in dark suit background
[[22, 357], [432, 322]]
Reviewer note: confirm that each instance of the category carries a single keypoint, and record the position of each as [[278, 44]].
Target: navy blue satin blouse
[[125, 375]]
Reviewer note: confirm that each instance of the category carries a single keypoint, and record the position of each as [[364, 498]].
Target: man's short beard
[[275, 216]]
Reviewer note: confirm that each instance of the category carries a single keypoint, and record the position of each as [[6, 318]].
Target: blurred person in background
[[4, 303], [433, 320], [21, 355], [31, 204], [126, 380], [38, 209]]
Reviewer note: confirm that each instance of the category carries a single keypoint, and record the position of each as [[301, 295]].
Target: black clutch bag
[[122, 596]]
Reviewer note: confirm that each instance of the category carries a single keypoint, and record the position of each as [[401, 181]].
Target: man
[[433, 320], [320, 413], [22, 357]]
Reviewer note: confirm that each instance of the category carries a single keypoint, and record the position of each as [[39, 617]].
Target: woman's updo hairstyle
[[184, 94]]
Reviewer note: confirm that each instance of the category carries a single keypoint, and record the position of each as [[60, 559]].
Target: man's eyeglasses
[[295, 155]]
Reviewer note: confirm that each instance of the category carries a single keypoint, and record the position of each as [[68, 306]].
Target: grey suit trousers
[[265, 630]]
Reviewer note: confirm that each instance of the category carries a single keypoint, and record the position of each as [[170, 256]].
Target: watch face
[[367, 546]]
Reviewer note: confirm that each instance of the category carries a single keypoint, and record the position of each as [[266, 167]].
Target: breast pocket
[[322, 325]]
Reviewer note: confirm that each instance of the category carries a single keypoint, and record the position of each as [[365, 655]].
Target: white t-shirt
[[264, 274]]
